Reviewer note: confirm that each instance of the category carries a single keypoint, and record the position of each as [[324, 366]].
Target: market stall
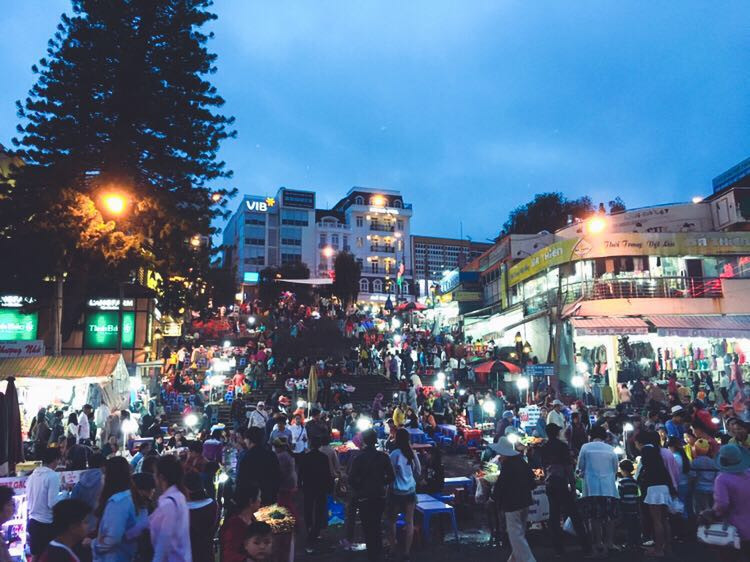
[[67, 381]]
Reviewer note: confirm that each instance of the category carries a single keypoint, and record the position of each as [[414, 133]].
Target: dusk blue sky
[[469, 108]]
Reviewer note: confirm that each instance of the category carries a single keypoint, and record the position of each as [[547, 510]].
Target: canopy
[[411, 305], [497, 366], [315, 281], [609, 326], [702, 326], [106, 369]]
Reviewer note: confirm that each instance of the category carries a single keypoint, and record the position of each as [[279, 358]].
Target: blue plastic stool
[[428, 509]]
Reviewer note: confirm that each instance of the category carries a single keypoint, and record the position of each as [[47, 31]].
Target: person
[[41, 434], [675, 427], [7, 511], [110, 447], [402, 498], [557, 460], [232, 533], [195, 461], [657, 489], [627, 487], [370, 474], [556, 415], [143, 450], [72, 427], [624, 393], [732, 493], [280, 430], [84, 426], [169, 524], [598, 464], [702, 475], [70, 522], [316, 482], [258, 417], [259, 466], [512, 493], [683, 464], [116, 514], [258, 544], [739, 431], [575, 434], [288, 474], [144, 490], [204, 518], [42, 487], [299, 436], [317, 428], [213, 448], [89, 486], [434, 473]]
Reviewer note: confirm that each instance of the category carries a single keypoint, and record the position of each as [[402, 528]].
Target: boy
[[69, 522], [628, 489], [258, 541]]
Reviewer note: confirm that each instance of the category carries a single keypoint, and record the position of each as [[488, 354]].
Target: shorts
[[399, 502], [604, 508], [40, 535]]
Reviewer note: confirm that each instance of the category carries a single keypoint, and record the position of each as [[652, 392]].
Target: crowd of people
[[663, 461]]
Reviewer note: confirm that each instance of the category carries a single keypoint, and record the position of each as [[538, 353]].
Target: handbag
[[676, 506], [719, 534]]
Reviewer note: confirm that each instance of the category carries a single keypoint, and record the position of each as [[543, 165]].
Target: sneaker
[[647, 544]]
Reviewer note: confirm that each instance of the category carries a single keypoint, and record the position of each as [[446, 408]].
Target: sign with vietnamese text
[[260, 206], [30, 348], [17, 326], [101, 330], [110, 304], [299, 199]]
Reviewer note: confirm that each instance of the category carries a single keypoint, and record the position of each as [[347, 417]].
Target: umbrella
[[409, 306], [485, 367], [15, 440], [3, 436], [388, 303], [312, 388]]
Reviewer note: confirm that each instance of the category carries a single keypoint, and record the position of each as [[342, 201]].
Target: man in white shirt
[[42, 488], [258, 417], [299, 436], [84, 429], [557, 417]]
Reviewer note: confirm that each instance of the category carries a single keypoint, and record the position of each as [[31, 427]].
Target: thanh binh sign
[[101, 330], [15, 325]]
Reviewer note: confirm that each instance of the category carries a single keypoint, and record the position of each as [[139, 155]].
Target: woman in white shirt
[[299, 436]]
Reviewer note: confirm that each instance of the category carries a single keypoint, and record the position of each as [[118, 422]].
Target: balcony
[[628, 289], [382, 249], [380, 227], [333, 226]]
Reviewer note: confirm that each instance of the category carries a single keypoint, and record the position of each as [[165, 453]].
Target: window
[[360, 263], [374, 266], [291, 236], [289, 256], [399, 224], [359, 200], [377, 286], [335, 241], [388, 267], [323, 239], [294, 218], [400, 245], [255, 218], [397, 203], [255, 256], [405, 287], [360, 221], [364, 285], [255, 235], [360, 241]]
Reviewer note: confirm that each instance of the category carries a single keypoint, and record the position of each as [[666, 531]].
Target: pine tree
[[122, 102], [346, 282]]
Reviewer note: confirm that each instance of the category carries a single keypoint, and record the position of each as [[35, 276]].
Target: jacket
[[513, 488], [111, 544], [169, 525], [371, 472], [260, 466], [315, 473]]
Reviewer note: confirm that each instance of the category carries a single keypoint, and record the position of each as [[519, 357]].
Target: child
[[702, 475], [258, 541], [69, 522], [628, 489]]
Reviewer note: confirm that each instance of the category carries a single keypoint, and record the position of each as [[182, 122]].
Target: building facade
[[433, 257], [372, 224]]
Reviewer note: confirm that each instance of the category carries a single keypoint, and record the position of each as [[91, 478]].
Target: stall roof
[[609, 326], [64, 367], [737, 326]]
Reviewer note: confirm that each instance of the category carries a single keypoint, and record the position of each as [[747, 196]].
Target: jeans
[[632, 527], [316, 514], [516, 524], [562, 504], [371, 514]]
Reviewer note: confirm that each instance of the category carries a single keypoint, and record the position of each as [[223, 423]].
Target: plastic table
[[417, 435], [459, 482], [430, 508], [448, 429]]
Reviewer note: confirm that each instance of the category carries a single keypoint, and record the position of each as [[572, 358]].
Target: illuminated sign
[[17, 326], [101, 330], [299, 199], [251, 277], [109, 304], [260, 206], [15, 301]]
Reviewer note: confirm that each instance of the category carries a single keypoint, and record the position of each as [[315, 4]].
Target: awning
[[609, 326], [702, 326], [313, 281], [64, 367]]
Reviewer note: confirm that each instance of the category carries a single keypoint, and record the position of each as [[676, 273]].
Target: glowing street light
[[697, 199], [596, 225], [327, 252], [378, 201], [195, 241], [114, 203]]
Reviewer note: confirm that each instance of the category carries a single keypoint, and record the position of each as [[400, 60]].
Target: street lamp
[[327, 252], [114, 203], [596, 225]]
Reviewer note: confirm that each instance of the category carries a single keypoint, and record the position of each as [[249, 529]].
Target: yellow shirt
[[399, 417]]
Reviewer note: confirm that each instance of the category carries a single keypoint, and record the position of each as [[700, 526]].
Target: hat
[[504, 448], [557, 403], [677, 410], [348, 407], [260, 404], [732, 458], [701, 447], [508, 414]]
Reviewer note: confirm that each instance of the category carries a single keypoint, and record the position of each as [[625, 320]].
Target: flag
[[400, 275]]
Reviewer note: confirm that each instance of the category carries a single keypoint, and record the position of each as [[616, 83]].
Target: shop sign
[[541, 370], [171, 330], [250, 277], [102, 327], [17, 326], [31, 348], [553, 255], [262, 206], [17, 484], [467, 296], [15, 301], [110, 304]]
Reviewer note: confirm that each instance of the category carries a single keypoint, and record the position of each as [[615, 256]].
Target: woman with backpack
[[402, 497]]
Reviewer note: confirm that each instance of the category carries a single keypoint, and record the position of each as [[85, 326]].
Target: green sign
[[101, 330], [17, 326]]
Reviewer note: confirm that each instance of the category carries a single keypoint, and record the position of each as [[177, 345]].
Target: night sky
[[469, 108]]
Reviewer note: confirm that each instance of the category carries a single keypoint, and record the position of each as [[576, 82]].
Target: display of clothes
[[596, 358]]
